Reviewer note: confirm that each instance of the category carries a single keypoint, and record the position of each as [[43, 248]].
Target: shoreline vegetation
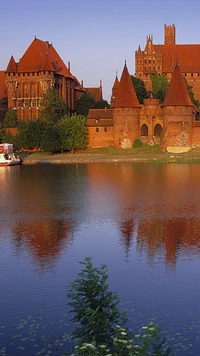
[[151, 154]]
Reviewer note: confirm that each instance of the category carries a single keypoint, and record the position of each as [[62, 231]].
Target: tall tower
[[170, 35]]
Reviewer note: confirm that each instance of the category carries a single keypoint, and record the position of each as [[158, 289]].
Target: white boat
[[7, 155]]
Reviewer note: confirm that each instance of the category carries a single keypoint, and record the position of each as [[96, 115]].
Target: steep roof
[[35, 57], [3, 90], [100, 114], [12, 66], [47, 65], [126, 96], [177, 94], [96, 91], [187, 55], [116, 83]]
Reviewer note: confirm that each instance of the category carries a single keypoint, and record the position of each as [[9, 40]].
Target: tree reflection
[[44, 240]]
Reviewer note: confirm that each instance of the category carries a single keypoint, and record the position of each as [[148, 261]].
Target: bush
[[101, 328], [137, 143]]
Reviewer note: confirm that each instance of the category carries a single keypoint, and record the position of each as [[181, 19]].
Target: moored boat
[[7, 155]]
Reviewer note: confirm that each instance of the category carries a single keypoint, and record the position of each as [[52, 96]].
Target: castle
[[172, 124], [23, 83], [162, 58]]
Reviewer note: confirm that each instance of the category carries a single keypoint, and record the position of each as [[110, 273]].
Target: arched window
[[144, 130], [157, 130]]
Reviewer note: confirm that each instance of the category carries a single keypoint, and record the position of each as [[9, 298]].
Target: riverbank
[[98, 156]]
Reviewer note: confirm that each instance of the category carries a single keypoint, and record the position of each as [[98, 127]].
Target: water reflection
[[42, 239]]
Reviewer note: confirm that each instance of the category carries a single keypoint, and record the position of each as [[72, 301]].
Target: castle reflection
[[160, 215]]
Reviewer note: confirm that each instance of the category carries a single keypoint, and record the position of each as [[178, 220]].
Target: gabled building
[[172, 124], [39, 68], [162, 58]]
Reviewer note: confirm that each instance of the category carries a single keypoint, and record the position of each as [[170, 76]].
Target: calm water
[[142, 220]]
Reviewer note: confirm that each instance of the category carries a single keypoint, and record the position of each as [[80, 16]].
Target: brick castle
[[172, 124]]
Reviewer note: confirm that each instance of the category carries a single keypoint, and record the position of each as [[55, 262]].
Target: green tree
[[76, 131], [140, 89], [50, 140], [53, 107], [191, 94], [101, 104], [94, 306], [160, 85], [10, 119], [86, 102], [22, 136]]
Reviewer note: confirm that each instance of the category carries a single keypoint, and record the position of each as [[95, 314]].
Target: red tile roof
[[116, 83], [96, 92], [187, 55], [100, 114], [126, 96], [177, 94], [3, 89], [34, 58], [12, 65], [47, 65]]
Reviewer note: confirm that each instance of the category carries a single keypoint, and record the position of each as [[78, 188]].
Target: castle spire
[[12, 66], [126, 96], [177, 94]]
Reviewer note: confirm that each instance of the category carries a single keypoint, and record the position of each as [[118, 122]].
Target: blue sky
[[95, 36]]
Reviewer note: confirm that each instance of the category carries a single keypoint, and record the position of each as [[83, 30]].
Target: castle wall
[[100, 136], [125, 126]]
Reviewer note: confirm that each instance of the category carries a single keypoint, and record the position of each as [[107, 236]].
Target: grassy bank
[[110, 154]]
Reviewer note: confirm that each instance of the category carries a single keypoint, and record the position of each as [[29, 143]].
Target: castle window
[[185, 74], [105, 129], [158, 67], [149, 61], [191, 74], [144, 130], [26, 95], [26, 103], [34, 103], [97, 129]]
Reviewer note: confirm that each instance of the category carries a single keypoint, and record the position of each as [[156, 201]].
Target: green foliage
[[160, 85], [10, 119], [95, 310], [22, 136], [140, 89], [94, 306], [101, 104], [50, 140], [86, 102], [75, 134], [137, 143], [53, 107], [191, 94]]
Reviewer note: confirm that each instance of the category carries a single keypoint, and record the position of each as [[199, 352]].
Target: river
[[141, 219]]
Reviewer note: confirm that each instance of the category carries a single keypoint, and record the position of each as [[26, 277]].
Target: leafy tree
[[84, 103], [99, 331], [53, 107], [50, 140], [76, 130], [22, 136], [10, 119], [191, 94], [101, 104], [94, 306], [160, 85], [140, 89], [35, 131]]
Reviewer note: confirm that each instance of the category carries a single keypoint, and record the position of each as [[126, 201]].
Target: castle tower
[[179, 112], [170, 35], [126, 111], [114, 90]]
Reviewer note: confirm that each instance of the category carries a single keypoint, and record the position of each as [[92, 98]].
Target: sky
[[96, 37]]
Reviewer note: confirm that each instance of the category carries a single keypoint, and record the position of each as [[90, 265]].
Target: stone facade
[[162, 58], [172, 124]]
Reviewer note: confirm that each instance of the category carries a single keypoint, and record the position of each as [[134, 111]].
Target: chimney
[[69, 66], [101, 83], [82, 83]]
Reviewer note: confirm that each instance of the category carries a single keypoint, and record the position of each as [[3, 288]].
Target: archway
[[144, 130], [157, 130]]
